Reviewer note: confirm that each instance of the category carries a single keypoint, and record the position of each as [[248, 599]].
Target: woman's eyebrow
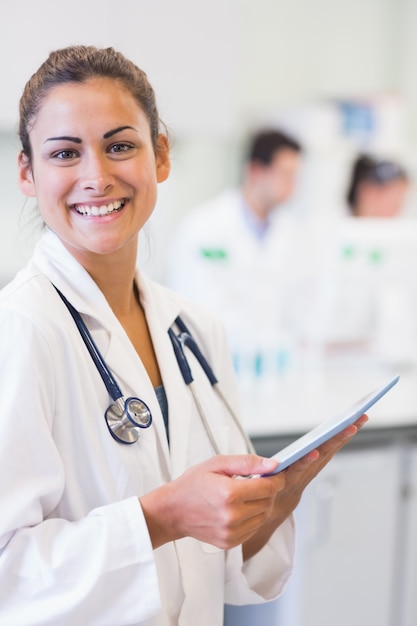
[[64, 138], [110, 133]]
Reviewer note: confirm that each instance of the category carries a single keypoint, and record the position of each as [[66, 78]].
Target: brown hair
[[77, 64]]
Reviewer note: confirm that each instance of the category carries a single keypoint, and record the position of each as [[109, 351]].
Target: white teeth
[[104, 209]]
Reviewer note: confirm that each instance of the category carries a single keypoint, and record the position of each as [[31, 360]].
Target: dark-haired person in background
[[368, 295], [377, 188], [236, 253]]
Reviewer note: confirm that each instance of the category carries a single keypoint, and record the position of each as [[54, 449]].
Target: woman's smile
[[98, 209]]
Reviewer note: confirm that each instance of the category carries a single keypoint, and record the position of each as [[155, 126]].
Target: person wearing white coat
[[92, 531], [215, 257], [75, 547], [241, 252]]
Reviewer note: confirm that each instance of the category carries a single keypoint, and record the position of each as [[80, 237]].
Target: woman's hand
[[298, 476], [210, 504]]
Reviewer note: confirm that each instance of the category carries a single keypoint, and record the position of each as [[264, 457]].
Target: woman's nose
[[96, 174]]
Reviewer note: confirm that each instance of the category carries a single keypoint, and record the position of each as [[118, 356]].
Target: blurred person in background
[[377, 188], [367, 300], [237, 252]]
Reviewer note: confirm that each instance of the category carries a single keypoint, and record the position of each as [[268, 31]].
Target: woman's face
[[94, 170], [382, 200]]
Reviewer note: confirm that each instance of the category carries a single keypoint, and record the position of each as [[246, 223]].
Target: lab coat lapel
[[120, 356], [161, 310]]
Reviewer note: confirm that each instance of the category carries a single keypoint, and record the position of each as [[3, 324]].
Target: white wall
[[216, 67]]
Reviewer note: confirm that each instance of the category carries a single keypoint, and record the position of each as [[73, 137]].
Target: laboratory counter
[[296, 403], [357, 545]]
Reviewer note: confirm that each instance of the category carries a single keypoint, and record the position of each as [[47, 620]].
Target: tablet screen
[[327, 429]]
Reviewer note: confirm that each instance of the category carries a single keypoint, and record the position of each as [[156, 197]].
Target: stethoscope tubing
[[186, 339], [108, 378], [126, 416], [179, 342]]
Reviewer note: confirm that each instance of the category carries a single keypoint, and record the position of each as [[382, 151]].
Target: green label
[[214, 254]]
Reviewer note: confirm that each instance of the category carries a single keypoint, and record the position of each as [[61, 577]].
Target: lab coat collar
[[161, 307], [158, 301], [64, 271]]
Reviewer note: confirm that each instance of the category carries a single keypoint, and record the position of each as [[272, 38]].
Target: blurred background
[[340, 77]]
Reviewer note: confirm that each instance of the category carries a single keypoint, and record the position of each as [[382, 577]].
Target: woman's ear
[[25, 176], [163, 164]]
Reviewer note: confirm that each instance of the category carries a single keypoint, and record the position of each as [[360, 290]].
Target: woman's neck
[[114, 274]]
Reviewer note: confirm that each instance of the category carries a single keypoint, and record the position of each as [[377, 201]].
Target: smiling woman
[[92, 531], [97, 162]]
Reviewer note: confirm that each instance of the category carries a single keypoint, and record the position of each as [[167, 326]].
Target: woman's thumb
[[244, 465]]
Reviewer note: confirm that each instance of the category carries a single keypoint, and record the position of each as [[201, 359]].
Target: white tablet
[[327, 429]]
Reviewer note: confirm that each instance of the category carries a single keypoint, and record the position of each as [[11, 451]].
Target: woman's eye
[[118, 148], [64, 155]]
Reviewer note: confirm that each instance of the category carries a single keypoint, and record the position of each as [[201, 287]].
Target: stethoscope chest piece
[[126, 418]]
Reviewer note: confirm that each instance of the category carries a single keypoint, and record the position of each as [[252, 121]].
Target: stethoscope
[[126, 417], [179, 342]]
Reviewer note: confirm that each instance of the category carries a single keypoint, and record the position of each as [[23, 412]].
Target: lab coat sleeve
[[98, 570], [262, 577]]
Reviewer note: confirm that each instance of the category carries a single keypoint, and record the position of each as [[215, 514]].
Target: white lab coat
[[74, 546], [366, 297], [255, 286]]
